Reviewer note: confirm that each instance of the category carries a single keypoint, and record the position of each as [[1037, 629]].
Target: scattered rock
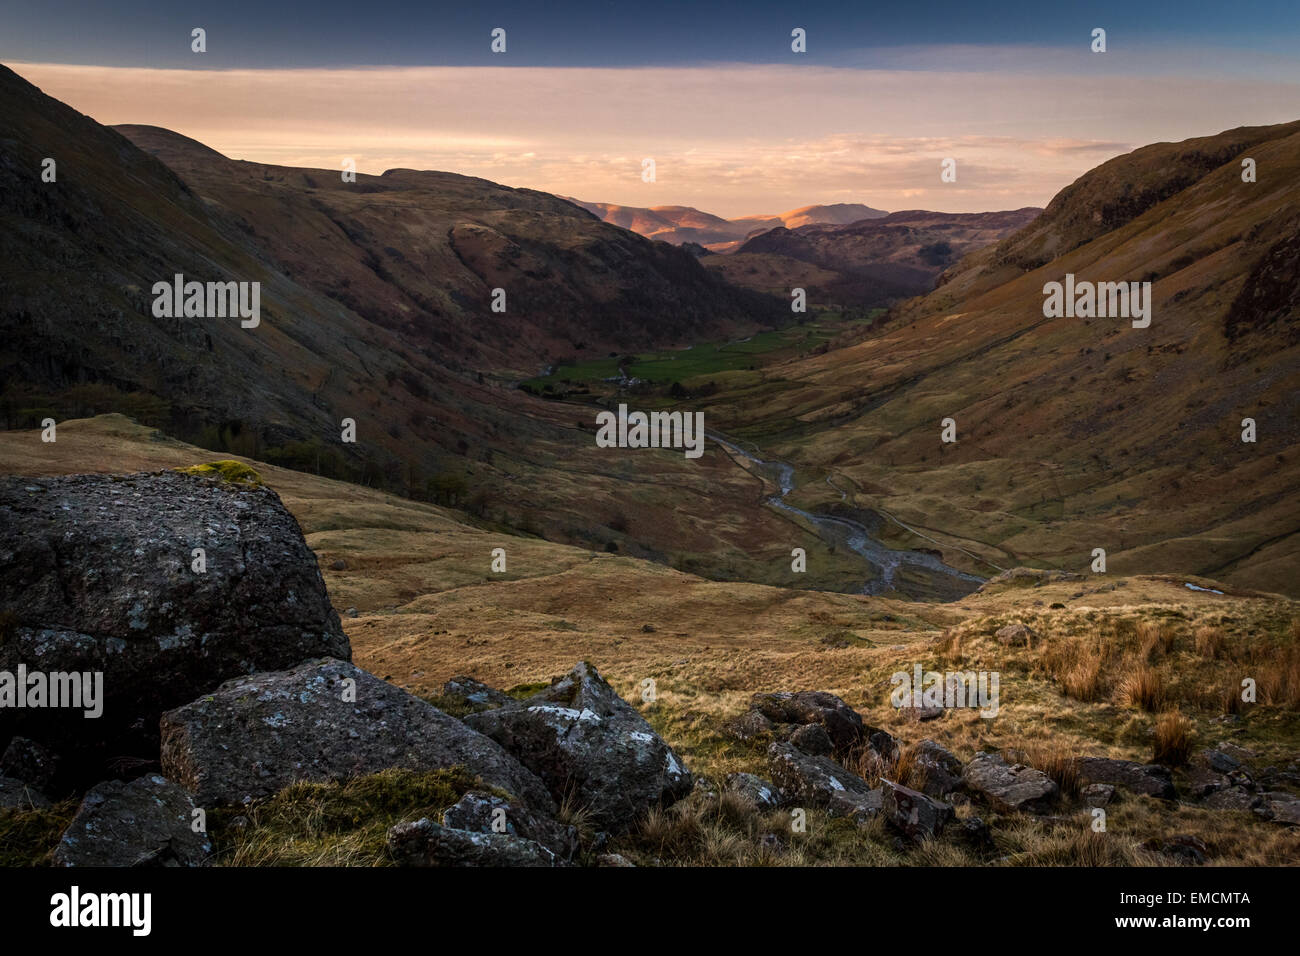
[[748, 726], [96, 574], [1015, 635], [1218, 761], [1009, 787], [338, 565], [841, 722], [17, 795], [811, 781], [937, 771], [1098, 794], [763, 794], [587, 743], [254, 736], [1202, 781], [147, 822], [1283, 808], [351, 612], [1150, 779], [480, 812], [975, 833], [29, 762], [1234, 798], [912, 813], [425, 843], [812, 739]]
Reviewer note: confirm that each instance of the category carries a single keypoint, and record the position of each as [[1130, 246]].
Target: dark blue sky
[[258, 33]]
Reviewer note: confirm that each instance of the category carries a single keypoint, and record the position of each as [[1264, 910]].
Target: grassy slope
[[1075, 433], [429, 608]]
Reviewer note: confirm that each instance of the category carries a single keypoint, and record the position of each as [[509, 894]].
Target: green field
[[699, 361]]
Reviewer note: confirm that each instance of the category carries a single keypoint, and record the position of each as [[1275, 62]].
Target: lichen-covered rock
[[320, 721], [97, 575], [30, 762], [1234, 798], [763, 794], [808, 780], [17, 795], [912, 813], [489, 813], [147, 822], [588, 744], [425, 843], [1150, 779], [1009, 787], [841, 722]]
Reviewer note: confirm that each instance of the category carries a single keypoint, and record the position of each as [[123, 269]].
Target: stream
[[856, 537]]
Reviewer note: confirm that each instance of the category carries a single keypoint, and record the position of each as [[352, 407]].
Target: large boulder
[[425, 843], [1150, 779], [147, 822], [841, 722], [320, 721], [96, 576], [589, 745], [28, 761], [1009, 787], [809, 780]]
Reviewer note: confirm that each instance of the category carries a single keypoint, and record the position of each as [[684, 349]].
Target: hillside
[[864, 263], [1080, 433], [412, 584]]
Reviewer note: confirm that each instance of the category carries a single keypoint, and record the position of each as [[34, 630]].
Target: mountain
[[682, 224], [374, 309], [1082, 433], [375, 295], [868, 262]]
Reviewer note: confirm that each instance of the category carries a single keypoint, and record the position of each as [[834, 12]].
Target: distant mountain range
[[682, 224]]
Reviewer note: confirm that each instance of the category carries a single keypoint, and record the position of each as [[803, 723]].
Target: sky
[[735, 121]]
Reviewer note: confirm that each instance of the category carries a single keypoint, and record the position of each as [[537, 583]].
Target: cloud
[[731, 139]]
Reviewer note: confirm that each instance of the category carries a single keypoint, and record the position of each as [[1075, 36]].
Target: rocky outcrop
[[425, 843], [97, 575], [147, 822], [323, 720], [590, 746], [1150, 779], [1009, 787]]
